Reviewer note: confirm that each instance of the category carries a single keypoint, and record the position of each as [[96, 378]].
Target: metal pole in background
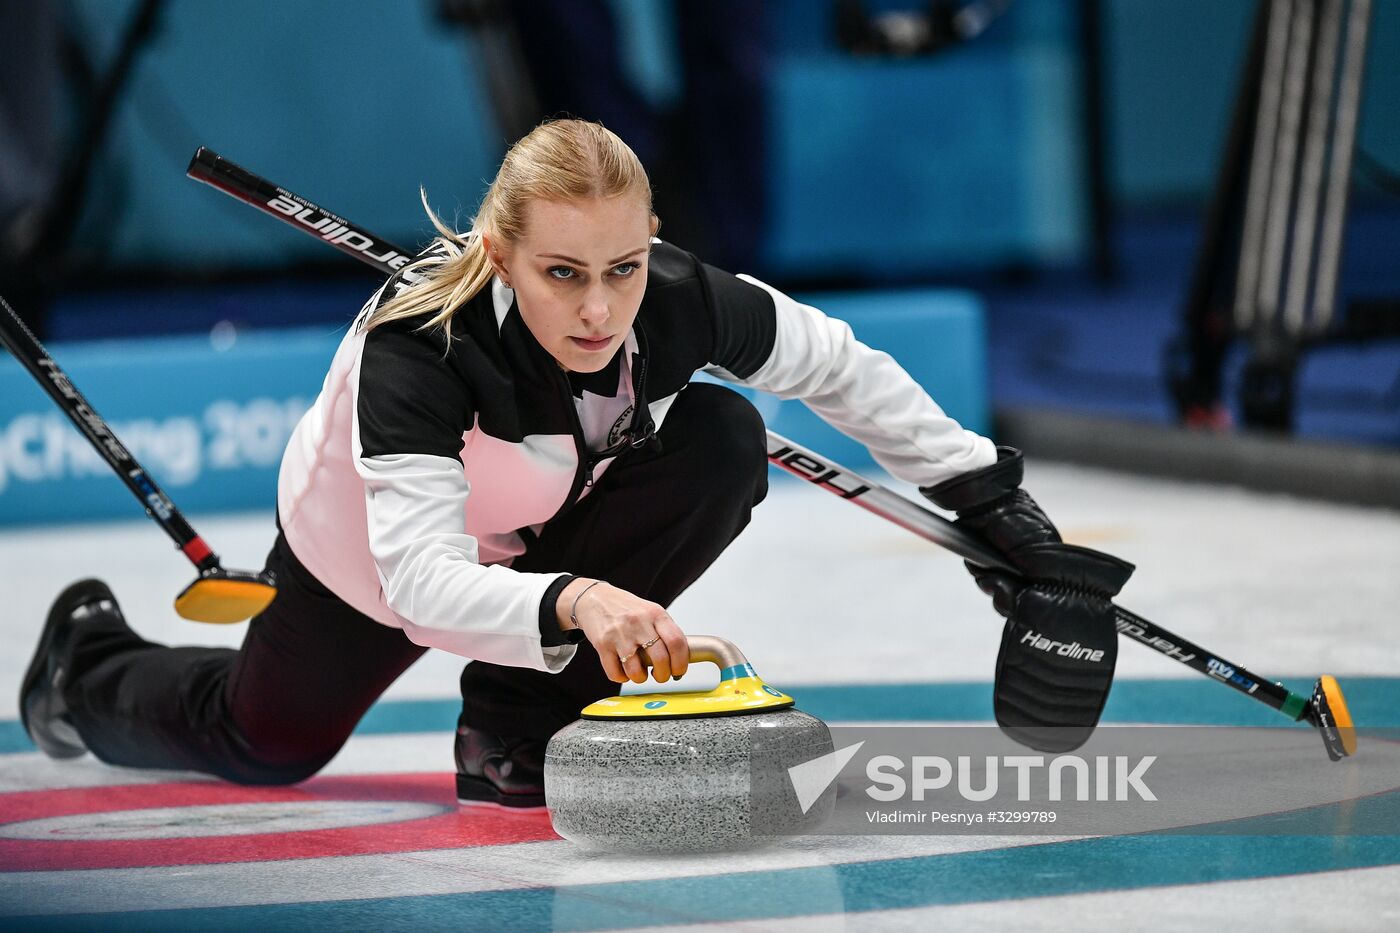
[[1261, 164], [1318, 131], [1339, 177]]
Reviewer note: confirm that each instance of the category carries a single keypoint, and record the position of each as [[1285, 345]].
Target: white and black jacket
[[424, 466]]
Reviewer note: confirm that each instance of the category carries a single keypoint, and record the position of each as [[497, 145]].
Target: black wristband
[[551, 635]]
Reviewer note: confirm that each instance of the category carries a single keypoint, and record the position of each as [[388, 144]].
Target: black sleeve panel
[[411, 398], [551, 635], [745, 322]]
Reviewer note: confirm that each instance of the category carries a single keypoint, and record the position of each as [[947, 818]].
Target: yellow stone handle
[[740, 690]]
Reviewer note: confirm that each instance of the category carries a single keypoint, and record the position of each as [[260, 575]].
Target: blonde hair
[[559, 160]]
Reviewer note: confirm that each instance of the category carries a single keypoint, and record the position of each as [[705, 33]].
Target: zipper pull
[[643, 429], [588, 465], [646, 438]]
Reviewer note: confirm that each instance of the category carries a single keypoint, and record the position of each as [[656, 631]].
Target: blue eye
[[626, 269], [561, 273]]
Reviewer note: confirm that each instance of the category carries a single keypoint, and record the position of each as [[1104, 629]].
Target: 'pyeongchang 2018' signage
[[208, 424]]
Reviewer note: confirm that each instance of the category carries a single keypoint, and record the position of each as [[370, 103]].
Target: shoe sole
[[63, 606], [473, 791]]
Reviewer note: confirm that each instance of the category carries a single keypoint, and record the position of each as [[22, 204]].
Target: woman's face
[[579, 274]]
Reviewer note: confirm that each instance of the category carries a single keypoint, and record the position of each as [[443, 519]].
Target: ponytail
[[450, 273]]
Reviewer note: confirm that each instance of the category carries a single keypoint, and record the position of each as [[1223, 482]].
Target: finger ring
[[625, 658], [652, 642]]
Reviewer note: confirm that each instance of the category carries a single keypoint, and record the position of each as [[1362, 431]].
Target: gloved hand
[[1060, 644]]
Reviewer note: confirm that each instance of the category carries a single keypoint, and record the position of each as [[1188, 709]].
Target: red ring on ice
[[457, 827]]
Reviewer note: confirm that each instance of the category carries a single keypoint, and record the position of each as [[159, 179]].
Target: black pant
[[279, 708]]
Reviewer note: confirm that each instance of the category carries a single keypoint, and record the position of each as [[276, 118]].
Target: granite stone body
[[683, 785]]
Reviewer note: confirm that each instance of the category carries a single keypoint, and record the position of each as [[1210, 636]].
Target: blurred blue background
[[1056, 167], [971, 158]]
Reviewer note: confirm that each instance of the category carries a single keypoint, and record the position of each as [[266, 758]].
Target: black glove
[[1060, 644]]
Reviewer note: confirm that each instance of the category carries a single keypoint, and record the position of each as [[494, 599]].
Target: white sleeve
[[429, 570], [865, 394]]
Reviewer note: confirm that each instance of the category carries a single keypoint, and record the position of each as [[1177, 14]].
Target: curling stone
[[686, 772]]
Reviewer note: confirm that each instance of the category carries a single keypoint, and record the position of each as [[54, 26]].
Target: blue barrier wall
[[882, 169], [938, 336], [878, 169], [352, 104], [210, 423]]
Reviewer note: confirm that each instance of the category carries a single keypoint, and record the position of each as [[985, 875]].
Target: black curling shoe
[[41, 705], [505, 771]]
